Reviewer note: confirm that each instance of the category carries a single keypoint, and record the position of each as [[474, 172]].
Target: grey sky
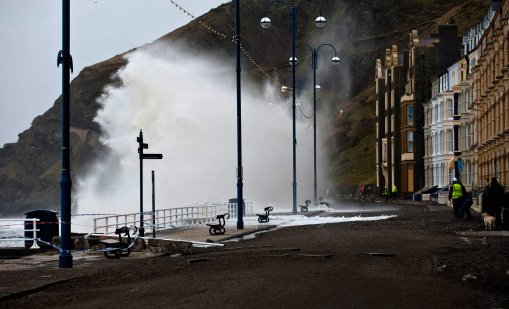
[[30, 36]]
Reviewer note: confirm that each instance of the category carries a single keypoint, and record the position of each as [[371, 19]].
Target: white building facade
[[439, 129], [451, 129]]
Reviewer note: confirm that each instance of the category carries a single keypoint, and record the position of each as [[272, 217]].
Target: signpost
[[142, 156], [153, 206]]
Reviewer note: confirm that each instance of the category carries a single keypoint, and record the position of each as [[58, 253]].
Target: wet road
[[345, 206]]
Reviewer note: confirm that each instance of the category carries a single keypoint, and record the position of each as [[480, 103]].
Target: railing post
[[34, 234]]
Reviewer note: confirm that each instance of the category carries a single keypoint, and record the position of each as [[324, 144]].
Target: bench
[[304, 208], [117, 248], [263, 218], [218, 229], [322, 202]]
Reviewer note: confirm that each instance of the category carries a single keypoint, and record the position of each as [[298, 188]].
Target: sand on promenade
[[420, 259]]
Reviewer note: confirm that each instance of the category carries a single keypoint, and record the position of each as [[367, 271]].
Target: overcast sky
[[31, 35]]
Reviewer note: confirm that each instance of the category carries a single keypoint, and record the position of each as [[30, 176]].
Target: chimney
[[387, 58]]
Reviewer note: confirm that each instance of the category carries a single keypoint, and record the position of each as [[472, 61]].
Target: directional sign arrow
[[152, 156]]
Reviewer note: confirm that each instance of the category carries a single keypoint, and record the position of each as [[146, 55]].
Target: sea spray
[[186, 106]]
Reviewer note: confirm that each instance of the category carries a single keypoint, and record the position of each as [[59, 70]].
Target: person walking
[[386, 194], [457, 194], [361, 192], [496, 198], [464, 209]]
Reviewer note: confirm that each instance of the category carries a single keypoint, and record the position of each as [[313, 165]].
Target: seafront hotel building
[[460, 116]]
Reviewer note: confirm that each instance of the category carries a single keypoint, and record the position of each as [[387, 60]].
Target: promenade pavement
[[422, 258], [201, 233]]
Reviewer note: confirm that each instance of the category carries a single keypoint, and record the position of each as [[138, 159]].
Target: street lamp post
[[240, 185], [64, 58], [265, 22], [314, 65]]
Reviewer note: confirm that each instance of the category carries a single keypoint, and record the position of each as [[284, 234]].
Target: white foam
[[186, 106], [297, 220]]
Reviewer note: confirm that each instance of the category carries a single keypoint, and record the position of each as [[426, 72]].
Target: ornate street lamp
[[265, 22], [240, 184], [314, 64]]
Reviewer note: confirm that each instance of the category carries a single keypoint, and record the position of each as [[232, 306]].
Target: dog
[[489, 221]]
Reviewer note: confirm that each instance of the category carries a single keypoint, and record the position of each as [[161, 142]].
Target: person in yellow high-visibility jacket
[[394, 192], [457, 194]]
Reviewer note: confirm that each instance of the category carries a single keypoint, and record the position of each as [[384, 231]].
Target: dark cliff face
[[360, 31], [30, 169]]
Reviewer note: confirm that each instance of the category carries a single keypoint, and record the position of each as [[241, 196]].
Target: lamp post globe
[[293, 61], [320, 22], [265, 22], [335, 60]]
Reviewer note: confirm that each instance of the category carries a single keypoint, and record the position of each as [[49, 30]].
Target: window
[[460, 104], [410, 141], [410, 114], [468, 136], [435, 173], [450, 140], [450, 108], [468, 98], [468, 172], [442, 174], [439, 140], [435, 145], [430, 146], [441, 145], [426, 146], [435, 148]]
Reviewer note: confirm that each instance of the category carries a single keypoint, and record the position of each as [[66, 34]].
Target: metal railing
[[170, 218], [6, 230]]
